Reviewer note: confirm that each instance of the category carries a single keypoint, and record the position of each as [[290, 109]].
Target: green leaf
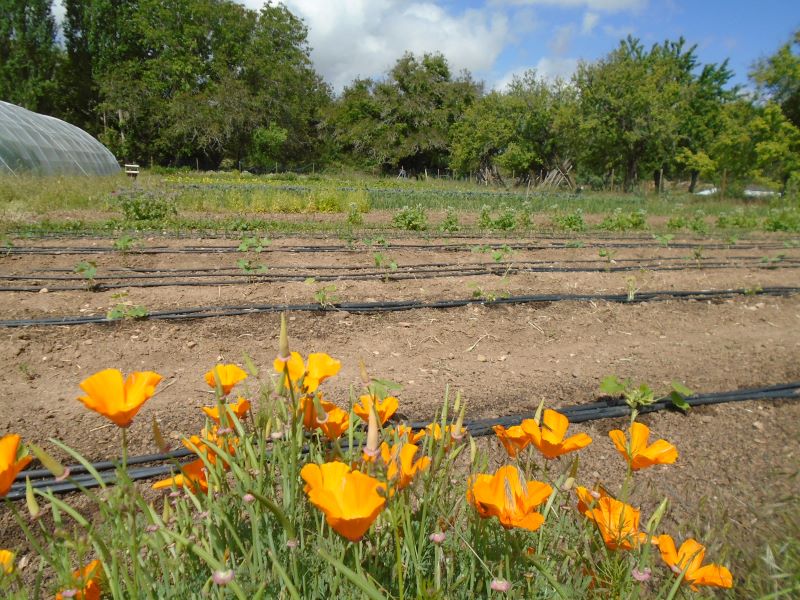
[[612, 386], [359, 580]]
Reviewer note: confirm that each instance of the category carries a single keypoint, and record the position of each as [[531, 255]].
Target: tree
[[778, 78], [518, 131], [638, 108], [29, 56], [408, 115]]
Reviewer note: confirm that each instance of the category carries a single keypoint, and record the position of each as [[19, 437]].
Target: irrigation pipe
[[51, 251], [604, 409], [202, 312], [400, 274]]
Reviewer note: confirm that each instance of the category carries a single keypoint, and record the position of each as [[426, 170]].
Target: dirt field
[[506, 359]]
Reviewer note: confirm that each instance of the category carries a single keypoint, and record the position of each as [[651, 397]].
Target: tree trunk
[[693, 182], [630, 174], [657, 180]]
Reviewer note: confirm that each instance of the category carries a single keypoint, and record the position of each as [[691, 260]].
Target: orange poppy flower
[[689, 561], [239, 408], [639, 455], [385, 408], [617, 522], [435, 431], [192, 476], [229, 376], [6, 562], [11, 463], [514, 439], [401, 466], [319, 367], [509, 498], [411, 436], [200, 444], [549, 438], [116, 399], [337, 423], [86, 581], [350, 499], [588, 498]]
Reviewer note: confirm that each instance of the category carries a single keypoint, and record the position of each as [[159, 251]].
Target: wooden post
[[661, 180], [612, 179]]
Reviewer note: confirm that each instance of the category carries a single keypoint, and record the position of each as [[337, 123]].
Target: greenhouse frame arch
[[42, 145]]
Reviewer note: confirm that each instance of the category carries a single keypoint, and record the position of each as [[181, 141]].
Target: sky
[[495, 39]]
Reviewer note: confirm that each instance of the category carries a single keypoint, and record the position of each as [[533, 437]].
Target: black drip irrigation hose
[[604, 409], [399, 274], [70, 273], [50, 251], [204, 312]]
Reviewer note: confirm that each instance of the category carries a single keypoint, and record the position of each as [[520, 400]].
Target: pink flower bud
[[249, 498], [222, 577], [500, 585], [292, 544], [642, 575], [437, 537]]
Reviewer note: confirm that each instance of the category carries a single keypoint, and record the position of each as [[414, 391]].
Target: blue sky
[[496, 38]]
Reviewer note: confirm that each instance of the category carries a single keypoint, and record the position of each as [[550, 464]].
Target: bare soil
[[736, 459]]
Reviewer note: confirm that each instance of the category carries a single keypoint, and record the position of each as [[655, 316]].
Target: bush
[[620, 221], [411, 218], [738, 219], [450, 222], [146, 206], [782, 219], [570, 221], [506, 220], [354, 216]]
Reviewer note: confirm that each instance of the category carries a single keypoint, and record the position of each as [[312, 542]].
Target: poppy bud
[[283, 342]]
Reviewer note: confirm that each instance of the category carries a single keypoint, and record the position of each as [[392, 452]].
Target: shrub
[[570, 221], [620, 221], [738, 219], [450, 222], [782, 219], [411, 218], [146, 206]]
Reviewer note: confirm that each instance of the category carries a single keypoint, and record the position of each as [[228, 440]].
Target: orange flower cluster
[[508, 497], [548, 437], [193, 475]]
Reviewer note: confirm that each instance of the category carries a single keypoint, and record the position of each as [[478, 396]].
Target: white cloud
[[618, 32], [590, 20], [562, 39], [555, 67], [550, 68], [608, 6], [364, 38]]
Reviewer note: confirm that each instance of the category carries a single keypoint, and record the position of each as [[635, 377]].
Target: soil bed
[[506, 359]]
